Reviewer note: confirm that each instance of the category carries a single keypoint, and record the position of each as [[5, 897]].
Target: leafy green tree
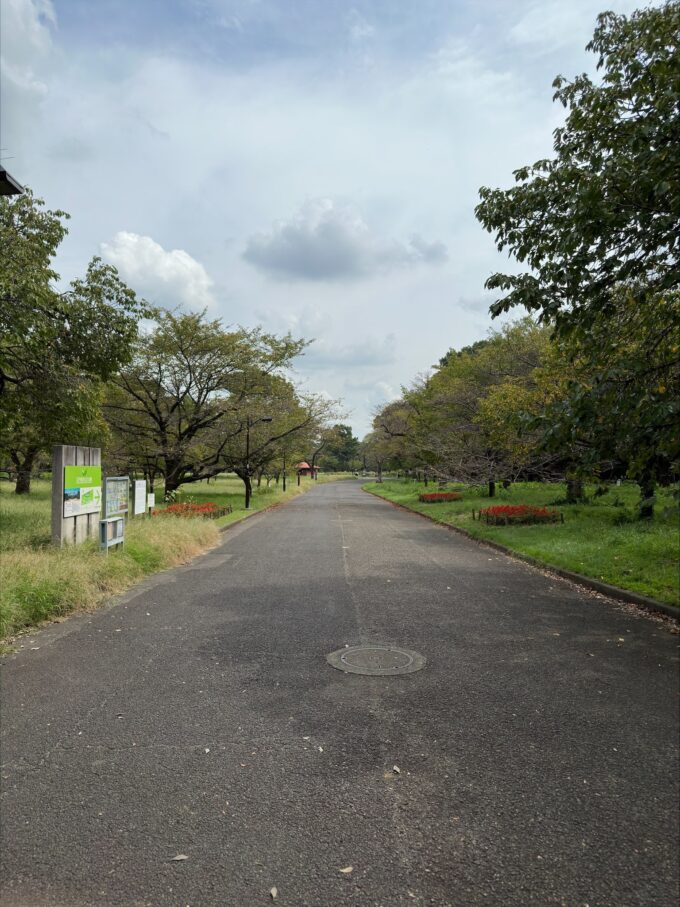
[[69, 408], [87, 329], [606, 209], [269, 421], [55, 347], [619, 397], [456, 414], [380, 452], [191, 388], [342, 449]]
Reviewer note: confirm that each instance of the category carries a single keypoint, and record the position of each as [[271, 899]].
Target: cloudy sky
[[307, 165]]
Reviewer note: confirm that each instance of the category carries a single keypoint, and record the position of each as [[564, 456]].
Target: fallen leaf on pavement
[[179, 858], [396, 770], [346, 870], [274, 892]]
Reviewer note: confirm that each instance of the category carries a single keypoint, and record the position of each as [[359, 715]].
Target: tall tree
[[55, 346], [181, 399], [271, 419], [88, 329], [342, 449], [606, 209]]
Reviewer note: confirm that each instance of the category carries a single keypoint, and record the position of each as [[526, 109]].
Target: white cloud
[[165, 278], [188, 134], [323, 354], [359, 28], [327, 241], [549, 25]]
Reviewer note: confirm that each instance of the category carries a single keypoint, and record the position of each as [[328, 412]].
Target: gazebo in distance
[[304, 469]]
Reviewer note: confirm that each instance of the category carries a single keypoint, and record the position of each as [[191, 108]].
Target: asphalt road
[[536, 751]]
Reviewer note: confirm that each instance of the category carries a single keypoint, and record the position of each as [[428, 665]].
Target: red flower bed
[[436, 497], [209, 510], [506, 514]]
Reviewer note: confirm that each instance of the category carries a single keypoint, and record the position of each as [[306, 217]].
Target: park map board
[[82, 490], [117, 493]]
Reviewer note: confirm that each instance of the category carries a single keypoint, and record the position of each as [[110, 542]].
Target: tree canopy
[[606, 209], [56, 346]]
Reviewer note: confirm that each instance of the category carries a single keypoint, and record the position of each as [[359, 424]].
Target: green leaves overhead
[[606, 209]]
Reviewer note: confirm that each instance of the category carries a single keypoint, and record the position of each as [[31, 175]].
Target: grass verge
[[39, 582], [600, 539]]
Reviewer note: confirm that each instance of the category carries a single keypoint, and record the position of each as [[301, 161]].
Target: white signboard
[[150, 500], [140, 496]]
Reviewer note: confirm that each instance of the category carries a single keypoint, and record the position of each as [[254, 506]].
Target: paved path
[[536, 749]]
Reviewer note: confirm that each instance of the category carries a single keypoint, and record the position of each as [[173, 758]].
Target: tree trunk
[[647, 488], [425, 476], [249, 488], [173, 478], [492, 488], [506, 484], [24, 469], [574, 490]]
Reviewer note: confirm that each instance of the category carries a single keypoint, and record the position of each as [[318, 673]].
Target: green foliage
[[55, 348], [87, 330], [620, 399], [197, 400], [606, 209], [342, 449], [465, 419]]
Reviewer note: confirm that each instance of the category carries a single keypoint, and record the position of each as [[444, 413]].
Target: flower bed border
[[208, 510], [439, 497], [517, 515]]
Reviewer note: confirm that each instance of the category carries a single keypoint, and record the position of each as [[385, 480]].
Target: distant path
[[536, 752]]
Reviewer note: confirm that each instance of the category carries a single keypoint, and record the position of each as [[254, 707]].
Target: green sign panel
[[82, 490]]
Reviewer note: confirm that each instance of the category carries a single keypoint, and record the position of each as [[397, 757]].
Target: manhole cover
[[382, 660]]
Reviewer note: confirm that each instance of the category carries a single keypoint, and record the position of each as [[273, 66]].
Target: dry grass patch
[[44, 583]]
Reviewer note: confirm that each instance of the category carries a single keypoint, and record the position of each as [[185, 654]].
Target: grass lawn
[[600, 538], [40, 582]]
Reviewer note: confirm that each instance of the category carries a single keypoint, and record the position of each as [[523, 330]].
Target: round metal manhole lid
[[376, 660]]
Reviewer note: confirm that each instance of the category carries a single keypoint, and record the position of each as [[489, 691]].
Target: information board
[[117, 493], [140, 496], [151, 500], [82, 490]]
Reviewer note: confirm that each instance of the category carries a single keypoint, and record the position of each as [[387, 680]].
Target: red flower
[[435, 497], [189, 509], [518, 513]]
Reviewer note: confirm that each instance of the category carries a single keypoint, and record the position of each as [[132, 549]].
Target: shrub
[[510, 514], [436, 497]]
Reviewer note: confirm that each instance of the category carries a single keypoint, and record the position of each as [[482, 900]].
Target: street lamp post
[[249, 425]]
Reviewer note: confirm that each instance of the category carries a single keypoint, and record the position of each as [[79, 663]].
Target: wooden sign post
[[76, 494]]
